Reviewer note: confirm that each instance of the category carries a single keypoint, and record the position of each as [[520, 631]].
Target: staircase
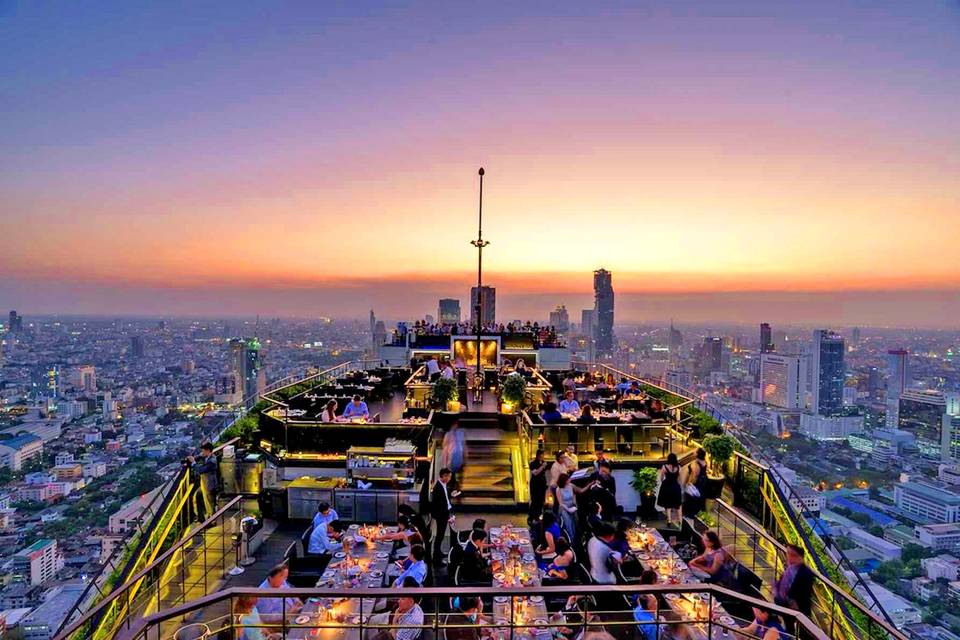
[[486, 481]]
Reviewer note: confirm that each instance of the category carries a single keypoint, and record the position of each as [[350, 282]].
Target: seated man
[[325, 515], [464, 622], [416, 568], [404, 622], [356, 409], [322, 542], [474, 568], [569, 404], [271, 610]]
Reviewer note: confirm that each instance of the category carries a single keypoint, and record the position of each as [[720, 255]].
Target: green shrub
[[644, 480], [443, 391], [513, 389]]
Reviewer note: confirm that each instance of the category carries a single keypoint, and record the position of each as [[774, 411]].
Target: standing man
[[433, 369], [440, 512], [206, 470], [794, 589]]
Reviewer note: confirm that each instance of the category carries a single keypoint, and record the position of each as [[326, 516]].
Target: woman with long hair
[[670, 496], [329, 412]]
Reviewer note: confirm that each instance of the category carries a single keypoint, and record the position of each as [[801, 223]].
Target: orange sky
[[693, 149]]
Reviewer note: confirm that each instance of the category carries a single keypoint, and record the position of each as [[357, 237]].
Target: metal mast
[[479, 243]]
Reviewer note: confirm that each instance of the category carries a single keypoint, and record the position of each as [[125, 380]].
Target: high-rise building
[[379, 335], [921, 413], [449, 311], [247, 366], [15, 324], [137, 348], [486, 298], [766, 338], [603, 306], [710, 358], [373, 321], [855, 336], [781, 380], [85, 378], [560, 319], [827, 363], [898, 381], [587, 322], [676, 338]]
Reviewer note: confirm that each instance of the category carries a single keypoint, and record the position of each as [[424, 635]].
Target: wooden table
[[515, 565]]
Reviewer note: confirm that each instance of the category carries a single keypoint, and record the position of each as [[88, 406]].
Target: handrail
[[809, 627], [115, 593], [780, 484], [837, 589]]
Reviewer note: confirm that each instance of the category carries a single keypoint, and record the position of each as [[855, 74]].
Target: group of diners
[[355, 409], [542, 335]]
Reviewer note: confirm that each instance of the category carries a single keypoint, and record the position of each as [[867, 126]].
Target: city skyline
[[181, 171]]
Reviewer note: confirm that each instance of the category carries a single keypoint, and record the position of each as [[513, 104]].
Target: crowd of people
[[542, 335]]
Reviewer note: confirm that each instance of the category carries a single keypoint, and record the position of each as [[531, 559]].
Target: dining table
[[654, 553], [362, 564], [514, 564]]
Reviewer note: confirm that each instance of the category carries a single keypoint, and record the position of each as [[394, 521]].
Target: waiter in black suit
[[440, 512]]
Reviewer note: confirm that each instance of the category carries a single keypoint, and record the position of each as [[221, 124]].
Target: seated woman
[[547, 549], [714, 561], [402, 534], [594, 516], [559, 570], [765, 626], [329, 413], [550, 414], [248, 619]]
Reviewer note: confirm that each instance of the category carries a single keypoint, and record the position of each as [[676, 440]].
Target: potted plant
[[512, 392], [444, 394], [644, 482], [719, 450]]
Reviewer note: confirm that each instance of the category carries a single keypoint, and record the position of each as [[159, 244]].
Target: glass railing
[[189, 570], [834, 609], [696, 612]]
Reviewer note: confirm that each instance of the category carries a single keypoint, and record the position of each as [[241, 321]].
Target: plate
[[643, 556], [536, 600], [328, 574], [382, 555], [672, 597], [302, 619], [501, 599], [529, 557], [727, 620], [496, 531], [499, 577], [376, 574], [353, 527], [339, 554]]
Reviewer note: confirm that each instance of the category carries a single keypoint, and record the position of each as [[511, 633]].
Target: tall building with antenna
[[603, 311]]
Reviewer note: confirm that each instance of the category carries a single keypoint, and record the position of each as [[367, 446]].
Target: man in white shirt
[[569, 404], [320, 541], [602, 557], [433, 368], [325, 515], [448, 371]]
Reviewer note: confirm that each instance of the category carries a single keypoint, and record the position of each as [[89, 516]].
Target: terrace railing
[[777, 504], [604, 608], [185, 572]]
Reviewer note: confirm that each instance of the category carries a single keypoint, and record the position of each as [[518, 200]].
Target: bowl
[[302, 619]]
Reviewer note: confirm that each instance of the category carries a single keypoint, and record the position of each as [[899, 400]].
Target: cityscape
[[704, 344]]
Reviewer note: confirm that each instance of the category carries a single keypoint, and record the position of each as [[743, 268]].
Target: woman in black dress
[[670, 497]]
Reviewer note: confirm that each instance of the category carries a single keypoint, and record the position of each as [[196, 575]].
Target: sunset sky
[[796, 160]]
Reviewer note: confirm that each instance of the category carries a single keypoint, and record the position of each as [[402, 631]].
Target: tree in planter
[[720, 449], [514, 389], [444, 390], [644, 482]]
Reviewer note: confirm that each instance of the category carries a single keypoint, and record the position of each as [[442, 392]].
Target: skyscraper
[[603, 306], [15, 324], [898, 380], [85, 378], [448, 311], [137, 348], [588, 319], [560, 319], [828, 372], [781, 380], [247, 365], [488, 305], [676, 338], [766, 338], [711, 356]]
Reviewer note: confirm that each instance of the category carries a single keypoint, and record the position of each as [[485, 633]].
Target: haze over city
[[795, 160]]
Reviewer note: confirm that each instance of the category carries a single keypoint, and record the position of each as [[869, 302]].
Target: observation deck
[[280, 460]]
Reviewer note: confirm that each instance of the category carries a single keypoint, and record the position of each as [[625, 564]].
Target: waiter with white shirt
[[433, 368], [441, 512]]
